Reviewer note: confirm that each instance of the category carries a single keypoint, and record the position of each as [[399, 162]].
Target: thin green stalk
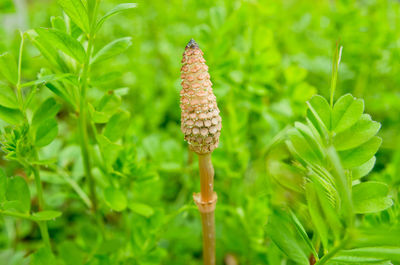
[[335, 69], [333, 252], [18, 85], [42, 224], [44, 231], [16, 214], [74, 185], [83, 132]]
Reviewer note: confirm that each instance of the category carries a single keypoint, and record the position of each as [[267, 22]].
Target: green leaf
[[77, 12], [317, 216], [109, 103], [357, 156], [12, 116], [48, 109], [46, 132], [46, 215], [380, 235], [281, 235], [46, 79], [61, 91], [8, 67], [343, 259], [71, 254], [47, 50], [63, 42], [58, 23], [286, 175], [118, 9], [343, 184], [364, 169], [346, 112], [106, 107], [306, 132], [371, 197], [359, 133], [392, 253], [142, 209], [7, 97], [303, 234], [3, 185], [302, 147], [18, 195], [42, 257], [320, 109], [109, 150], [116, 126], [115, 199], [112, 49]]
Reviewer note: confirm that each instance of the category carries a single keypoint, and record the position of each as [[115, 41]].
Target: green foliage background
[[266, 60]]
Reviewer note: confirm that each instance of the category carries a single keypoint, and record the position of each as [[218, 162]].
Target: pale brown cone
[[200, 120]]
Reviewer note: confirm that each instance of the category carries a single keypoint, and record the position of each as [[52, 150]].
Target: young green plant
[[21, 142], [70, 50], [201, 124], [331, 152]]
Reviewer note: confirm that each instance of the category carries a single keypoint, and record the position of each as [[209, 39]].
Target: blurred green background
[[266, 59]]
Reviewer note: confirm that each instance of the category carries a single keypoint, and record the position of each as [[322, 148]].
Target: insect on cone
[[201, 124]]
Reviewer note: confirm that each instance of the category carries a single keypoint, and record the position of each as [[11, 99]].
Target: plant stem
[[84, 138], [84, 144], [335, 68], [21, 47], [16, 214], [333, 252], [206, 202], [42, 224], [206, 177], [208, 225]]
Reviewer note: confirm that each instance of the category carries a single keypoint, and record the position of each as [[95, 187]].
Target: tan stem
[[208, 224], [206, 202], [206, 177]]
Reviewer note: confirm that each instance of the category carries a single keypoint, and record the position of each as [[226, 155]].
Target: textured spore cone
[[200, 120]]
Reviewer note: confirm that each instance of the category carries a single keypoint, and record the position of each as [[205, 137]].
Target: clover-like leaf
[[8, 67], [141, 209], [364, 169], [77, 12], [64, 42], [18, 195], [7, 97], [370, 197], [112, 49], [282, 235], [346, 112], [116, 10], [115, 199], [357, 156], [363, 130], [46, 132], [46, 215], [319, 112], [302, 147], [12, 116], [48, 109], [116, 126]]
